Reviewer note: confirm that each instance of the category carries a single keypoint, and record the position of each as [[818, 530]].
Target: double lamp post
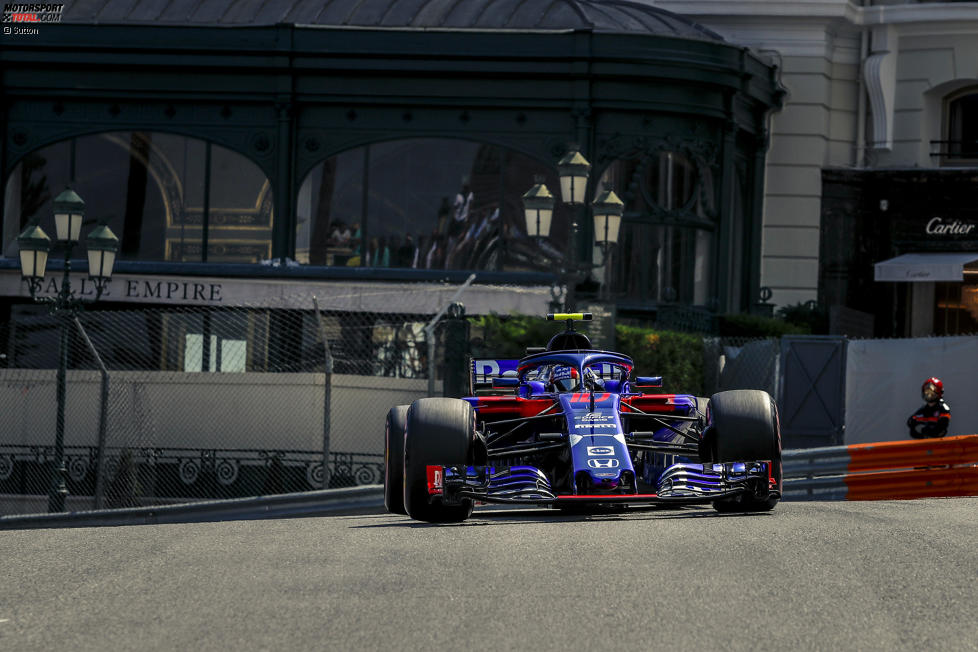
[[606, 210], [34, 245]]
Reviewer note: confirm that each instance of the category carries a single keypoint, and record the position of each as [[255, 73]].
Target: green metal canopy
[[617, 16], [290, 83]]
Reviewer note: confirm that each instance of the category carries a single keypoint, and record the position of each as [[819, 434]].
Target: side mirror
[[648, 381]]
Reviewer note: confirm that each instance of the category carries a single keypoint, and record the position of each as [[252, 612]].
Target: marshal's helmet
[[932, 390], [565, 378]]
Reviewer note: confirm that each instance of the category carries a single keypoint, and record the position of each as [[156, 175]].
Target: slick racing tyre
[[440, 431], [745, 428], [394, 459]]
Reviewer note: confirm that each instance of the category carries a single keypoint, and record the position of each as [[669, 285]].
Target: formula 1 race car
[[568, 426]]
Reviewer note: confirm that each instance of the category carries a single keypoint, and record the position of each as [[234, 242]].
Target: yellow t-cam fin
[[569, 316]]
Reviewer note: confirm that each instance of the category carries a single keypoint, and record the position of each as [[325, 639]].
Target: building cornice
[[816, 10], [817, 28]]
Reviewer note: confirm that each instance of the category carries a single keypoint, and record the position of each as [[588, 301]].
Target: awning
[[925, 268]]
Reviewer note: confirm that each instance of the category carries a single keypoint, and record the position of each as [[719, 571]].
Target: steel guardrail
[[877, 471], [884, 470], [363, 499]]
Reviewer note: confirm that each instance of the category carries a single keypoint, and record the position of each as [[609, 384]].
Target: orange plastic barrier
[[918, 483], [962, 449], [926, 468]]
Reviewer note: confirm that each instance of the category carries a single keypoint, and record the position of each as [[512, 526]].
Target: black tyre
[[439, 431], [744, 427], [394, 459]]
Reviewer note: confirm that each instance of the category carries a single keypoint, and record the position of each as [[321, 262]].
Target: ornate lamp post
[[34, 245], [607, 210], [574, 171], [538, 206]]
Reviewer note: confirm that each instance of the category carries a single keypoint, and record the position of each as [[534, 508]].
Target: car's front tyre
[[440, 431], [745, 427]]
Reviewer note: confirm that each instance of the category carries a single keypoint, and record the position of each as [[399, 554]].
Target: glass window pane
[[150, 189], [234, 355], [330, 202], [185, 190], [963, 127], [670, 180], [193, 352], [666, 246], [240, 210], [34, 182], [426, 204]]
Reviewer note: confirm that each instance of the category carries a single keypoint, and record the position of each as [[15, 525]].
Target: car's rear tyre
[[744, 427], [394, 459], [440, 431]]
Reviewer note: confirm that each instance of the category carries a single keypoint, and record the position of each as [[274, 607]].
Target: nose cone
[[604, 474], [605, 481]]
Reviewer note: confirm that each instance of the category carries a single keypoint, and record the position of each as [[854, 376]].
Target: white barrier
[[883, 379]]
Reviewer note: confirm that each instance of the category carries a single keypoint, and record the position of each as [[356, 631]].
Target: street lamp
[[538, 206], [34, 245], [574, 171], [607, 210]]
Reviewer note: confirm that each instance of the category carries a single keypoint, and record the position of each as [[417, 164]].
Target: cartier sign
[[939, 226]]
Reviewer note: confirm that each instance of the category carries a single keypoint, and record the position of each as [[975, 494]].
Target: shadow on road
[[515, 516]]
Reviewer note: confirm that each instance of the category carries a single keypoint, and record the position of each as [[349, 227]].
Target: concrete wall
[[817, 53], [196, 410], [931, 64]]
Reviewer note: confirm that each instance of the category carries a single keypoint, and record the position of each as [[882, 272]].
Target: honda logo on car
[[600, 450], [610, 463]]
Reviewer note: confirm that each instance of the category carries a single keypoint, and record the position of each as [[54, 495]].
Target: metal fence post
[[103, 411], [429, 330], [327, 393], [456, 380]]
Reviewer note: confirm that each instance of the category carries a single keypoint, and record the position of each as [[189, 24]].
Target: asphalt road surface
[[810, 576]]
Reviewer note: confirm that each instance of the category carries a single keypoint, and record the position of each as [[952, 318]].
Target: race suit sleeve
[[914, 424], [930, 423]]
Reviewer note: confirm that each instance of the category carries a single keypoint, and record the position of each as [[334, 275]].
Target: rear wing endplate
[[484, 370]]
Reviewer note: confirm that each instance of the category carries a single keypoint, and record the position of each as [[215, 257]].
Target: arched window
[[162, 194], [962, 128], [425, 203], [667, 241]]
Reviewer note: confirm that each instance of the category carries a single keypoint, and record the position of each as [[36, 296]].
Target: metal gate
[[813, 391]]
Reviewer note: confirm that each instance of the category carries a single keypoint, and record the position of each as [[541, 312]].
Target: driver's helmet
[[564, 378], [932, 390]]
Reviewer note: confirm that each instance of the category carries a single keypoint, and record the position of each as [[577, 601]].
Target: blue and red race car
[[567, 426]]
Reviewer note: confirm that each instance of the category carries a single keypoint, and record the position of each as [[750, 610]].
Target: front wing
[[682, 483]]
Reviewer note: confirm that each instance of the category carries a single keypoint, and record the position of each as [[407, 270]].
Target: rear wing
[[484, 370]]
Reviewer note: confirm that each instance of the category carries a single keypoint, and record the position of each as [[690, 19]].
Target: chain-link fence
[[187, 403], [741, 363], [197, 403]]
